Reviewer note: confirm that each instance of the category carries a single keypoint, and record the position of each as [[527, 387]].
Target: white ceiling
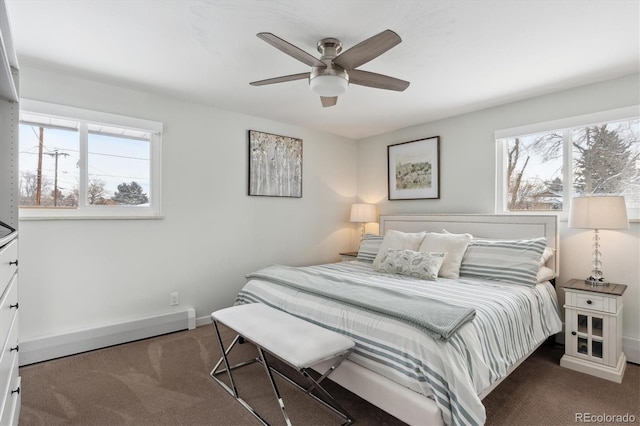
[[459, 56]]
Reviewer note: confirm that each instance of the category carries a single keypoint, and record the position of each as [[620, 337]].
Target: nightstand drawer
[[596, 303], [592, 301]]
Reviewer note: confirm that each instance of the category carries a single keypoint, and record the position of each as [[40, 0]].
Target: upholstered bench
[[292, 340]]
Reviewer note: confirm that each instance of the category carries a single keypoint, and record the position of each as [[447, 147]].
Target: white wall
[[77, 274], [467, 164], [82, 274]]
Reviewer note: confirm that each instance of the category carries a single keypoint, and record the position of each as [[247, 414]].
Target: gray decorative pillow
[[369, 247], [412, 263], [398, 240], [511, 261]]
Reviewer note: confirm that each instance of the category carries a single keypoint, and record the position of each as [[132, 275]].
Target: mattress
[[510, 321]]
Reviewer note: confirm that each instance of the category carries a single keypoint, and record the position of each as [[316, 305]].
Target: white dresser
[[9, 377], [9, 200]]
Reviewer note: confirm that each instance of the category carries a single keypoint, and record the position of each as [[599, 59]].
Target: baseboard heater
[[74, 342]]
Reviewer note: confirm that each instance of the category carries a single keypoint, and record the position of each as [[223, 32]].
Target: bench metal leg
[[232, 390], [215, 371], [224, 357], [327, 400], [267, 368]]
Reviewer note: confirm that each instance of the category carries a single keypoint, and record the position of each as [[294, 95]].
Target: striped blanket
[[510, 321], [437, 318]]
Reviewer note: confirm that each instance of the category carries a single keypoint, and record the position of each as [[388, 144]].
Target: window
[[76, 163], [596, 154]]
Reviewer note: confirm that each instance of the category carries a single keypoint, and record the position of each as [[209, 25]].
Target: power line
[[94, 153], [56, 154]]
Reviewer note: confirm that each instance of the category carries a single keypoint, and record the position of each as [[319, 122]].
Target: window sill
[[562, 216], [122, 213], [34, 218]]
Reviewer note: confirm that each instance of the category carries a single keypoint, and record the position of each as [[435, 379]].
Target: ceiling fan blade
[[291, 50], [328, 101], [379, 81], [367, 50], [282, 79]]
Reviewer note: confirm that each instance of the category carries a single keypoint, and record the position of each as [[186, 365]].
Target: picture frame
[[275, 165], [413, 169]]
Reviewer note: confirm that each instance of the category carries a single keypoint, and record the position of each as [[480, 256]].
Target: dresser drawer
[[8, 263], [11, 405], [9, 363], [8, 308]]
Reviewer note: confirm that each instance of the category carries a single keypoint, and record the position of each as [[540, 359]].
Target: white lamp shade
[[363, 213], [607, 212], [328, 85]]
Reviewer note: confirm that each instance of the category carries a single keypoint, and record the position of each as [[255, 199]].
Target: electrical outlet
[[174, 299]]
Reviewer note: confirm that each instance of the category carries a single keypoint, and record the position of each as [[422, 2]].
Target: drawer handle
[[17, 305], [17, 349], [14, 262], [573, 333], [589, 302], [16, 391]]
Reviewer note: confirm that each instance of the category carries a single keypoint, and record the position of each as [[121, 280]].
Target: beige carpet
[[165, 381]]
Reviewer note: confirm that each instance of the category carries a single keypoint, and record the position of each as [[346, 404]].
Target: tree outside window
[[603, 159]]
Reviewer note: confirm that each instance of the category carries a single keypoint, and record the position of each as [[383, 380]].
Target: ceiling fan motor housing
[[331, 80]]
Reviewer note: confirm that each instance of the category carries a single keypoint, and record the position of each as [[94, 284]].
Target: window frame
[[85, 210], [564, 124]]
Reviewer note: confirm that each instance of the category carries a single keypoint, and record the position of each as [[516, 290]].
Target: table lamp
[[363, 213], [598, 212]]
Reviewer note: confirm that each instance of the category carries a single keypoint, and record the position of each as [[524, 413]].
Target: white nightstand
[[351, 255], [593, 329]]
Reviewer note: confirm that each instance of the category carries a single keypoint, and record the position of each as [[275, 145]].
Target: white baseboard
[[631, 348], [203, 321], [59, 345]]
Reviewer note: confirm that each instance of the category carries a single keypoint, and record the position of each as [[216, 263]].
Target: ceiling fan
[[331, 74]]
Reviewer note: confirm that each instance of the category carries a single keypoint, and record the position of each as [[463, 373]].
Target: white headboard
[[480, 226]]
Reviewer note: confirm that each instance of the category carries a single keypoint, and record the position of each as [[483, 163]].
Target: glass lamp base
[[596, 281]]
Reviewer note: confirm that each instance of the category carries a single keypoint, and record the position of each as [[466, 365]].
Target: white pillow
[[545, 274], [400, 241], [415, 264], [453, 245], [546, 255]]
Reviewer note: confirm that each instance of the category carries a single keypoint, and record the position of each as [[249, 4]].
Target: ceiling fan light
[[328, 85]]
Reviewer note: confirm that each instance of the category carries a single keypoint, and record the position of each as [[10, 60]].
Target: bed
[[423, 373]]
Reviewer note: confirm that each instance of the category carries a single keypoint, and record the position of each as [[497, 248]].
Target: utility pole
[[55, 185], [39, 178]]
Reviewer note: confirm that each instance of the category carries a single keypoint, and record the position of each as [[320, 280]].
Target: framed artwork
[[275, 165], [414, 169]]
